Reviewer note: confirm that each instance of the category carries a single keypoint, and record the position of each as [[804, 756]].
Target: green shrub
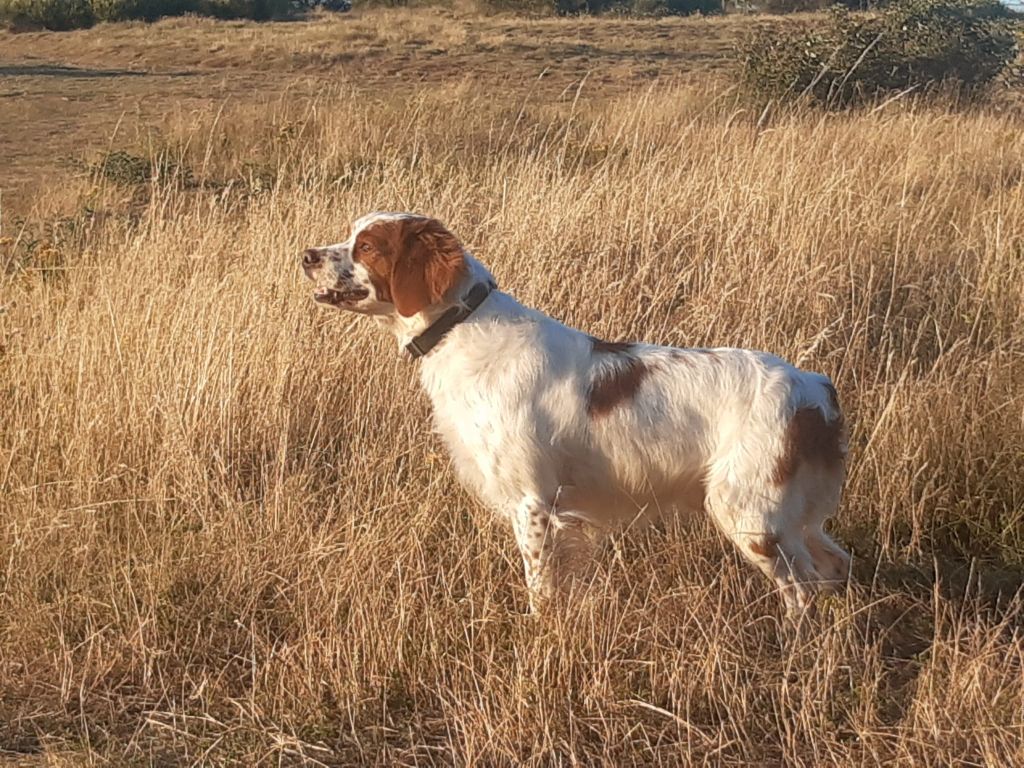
[[121, 10], [70, 14], [796, 6], [128, 169], [121, 167], [685, 7], [52, 14], [118, 10], [525, 7], [639, 7], [912, 44], [244, 9]]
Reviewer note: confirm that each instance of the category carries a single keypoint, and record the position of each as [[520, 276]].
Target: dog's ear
[[430, 263]]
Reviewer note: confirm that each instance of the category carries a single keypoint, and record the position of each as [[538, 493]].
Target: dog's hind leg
[[830, 560], [768, 533]]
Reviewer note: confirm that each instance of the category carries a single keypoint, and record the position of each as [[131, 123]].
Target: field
[[227, 534]]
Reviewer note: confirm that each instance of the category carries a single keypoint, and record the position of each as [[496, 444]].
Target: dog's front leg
[[553, 546], [535, 537]]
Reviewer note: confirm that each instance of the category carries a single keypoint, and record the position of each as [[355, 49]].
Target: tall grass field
[[228, 535]]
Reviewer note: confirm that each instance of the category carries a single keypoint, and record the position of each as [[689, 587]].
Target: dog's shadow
[[903, 610], [915, 606], [988, 584]]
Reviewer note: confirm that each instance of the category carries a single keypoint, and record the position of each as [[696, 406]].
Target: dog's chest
[[475, 415]]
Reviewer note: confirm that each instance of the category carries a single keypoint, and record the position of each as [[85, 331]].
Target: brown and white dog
[[555, 429]]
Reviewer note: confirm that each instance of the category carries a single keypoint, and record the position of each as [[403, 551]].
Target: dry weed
[[228, 535]]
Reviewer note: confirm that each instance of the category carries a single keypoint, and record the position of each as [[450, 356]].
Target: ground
[[227, 533], [62, 93]]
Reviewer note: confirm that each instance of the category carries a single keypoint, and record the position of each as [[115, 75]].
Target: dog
[[567, 434]]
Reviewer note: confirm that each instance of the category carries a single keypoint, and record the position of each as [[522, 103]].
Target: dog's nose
[[310, 257]]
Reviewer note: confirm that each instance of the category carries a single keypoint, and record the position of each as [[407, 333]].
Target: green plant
[[639, 7], [795, 6], [249, 9], [912, 45], [116, 10], [686, 7], [125, 168], [71, 14], [52, 14], [128, 170], [120, 10]]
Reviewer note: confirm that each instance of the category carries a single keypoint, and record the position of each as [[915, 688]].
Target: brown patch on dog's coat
[[616, 385], [412, 263], [811, 438]]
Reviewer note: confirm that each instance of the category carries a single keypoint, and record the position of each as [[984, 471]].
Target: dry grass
[[65, 92], [228, 536]]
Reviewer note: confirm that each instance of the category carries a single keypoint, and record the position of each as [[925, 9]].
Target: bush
[[52, 14], [685, 7], [122, 10], [244, 9], [912, 44], [639, 7], [796, 6], [70, 14]]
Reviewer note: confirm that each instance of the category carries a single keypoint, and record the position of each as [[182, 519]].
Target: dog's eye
[[365, 247]]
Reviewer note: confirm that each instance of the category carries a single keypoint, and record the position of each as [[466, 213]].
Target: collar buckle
[[414, 349]]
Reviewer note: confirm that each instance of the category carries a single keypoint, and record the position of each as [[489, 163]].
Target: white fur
[[705, 428]]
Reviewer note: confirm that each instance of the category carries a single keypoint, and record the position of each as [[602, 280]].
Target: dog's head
[[392, 262]]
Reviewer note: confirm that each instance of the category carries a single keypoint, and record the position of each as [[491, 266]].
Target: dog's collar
[[430, 338]]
